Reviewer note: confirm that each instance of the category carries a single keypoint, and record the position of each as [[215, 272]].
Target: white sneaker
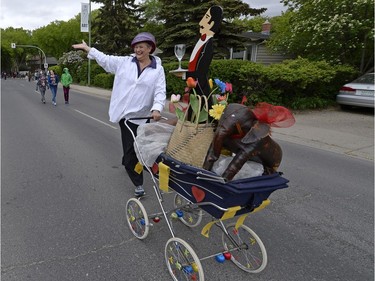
[[139, 191]]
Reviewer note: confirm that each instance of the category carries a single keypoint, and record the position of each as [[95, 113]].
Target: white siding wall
[[259, 53], [264, 56]]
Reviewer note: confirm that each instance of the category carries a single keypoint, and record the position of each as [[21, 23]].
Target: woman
[[139, 90], [42, 85], [53, 80], [66, 80]]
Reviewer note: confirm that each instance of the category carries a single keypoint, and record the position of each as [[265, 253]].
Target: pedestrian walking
[[66, 80], [43, 84], [53, 81], [139, 90], [36, 78]]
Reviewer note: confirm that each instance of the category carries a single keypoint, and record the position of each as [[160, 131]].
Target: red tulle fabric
[[274, 115]]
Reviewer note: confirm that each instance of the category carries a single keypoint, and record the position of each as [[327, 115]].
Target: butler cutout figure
[[203, 51]]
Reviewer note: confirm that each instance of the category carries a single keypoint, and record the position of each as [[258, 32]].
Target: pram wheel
[[192, 214], [246, 248], [137, 218], [182, 262]]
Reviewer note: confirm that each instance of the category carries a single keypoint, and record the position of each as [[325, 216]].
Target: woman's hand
[[156, 115], [82, 46]]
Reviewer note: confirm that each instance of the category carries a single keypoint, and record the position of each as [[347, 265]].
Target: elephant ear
[[256, 133]]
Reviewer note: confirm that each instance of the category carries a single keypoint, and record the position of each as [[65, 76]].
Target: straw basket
[[190, 141]]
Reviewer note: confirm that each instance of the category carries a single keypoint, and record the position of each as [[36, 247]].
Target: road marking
[[95, 119]]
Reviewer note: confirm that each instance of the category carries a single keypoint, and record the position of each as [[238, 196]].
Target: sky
[[34, 14]]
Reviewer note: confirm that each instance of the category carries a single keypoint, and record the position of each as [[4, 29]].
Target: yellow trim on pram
[[264, 204], [138, 168], [164, 172], [230, 214]]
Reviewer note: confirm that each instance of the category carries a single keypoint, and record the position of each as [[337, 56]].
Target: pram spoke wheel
[[182, 262], [192, 214], [246, 248], [137, 218]]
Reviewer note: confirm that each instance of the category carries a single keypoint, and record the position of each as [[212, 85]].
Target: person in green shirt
[[66, 80]]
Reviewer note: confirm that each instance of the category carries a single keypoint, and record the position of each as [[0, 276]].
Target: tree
[[151, 9], [14, 59], [57, 37], [180, 19], [338, 31], [116, 25], [253, 24]]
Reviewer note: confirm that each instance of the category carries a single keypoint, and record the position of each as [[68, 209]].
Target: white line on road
[[96, 119]]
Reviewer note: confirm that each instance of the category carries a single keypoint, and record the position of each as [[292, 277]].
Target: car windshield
[[366, 79]]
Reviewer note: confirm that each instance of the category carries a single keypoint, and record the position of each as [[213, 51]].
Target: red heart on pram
[[155, 168], [198, 194]]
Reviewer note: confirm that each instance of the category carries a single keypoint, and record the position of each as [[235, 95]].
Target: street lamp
[[13, 45]]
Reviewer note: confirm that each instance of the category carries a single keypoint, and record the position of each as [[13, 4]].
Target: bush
[[298, 84], [175, 85], [79, 73], [306, 84], [57, 69], [104, 80]]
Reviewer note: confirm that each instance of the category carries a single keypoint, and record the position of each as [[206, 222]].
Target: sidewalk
[[346, 132], [91, 90]]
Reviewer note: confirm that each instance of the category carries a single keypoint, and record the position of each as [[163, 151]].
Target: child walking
[[66, 80], [42, 84]]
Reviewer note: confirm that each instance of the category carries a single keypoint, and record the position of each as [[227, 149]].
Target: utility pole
[[13, 45], [89, 62], [86, 27]]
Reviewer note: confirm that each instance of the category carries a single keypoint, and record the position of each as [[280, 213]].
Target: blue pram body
[[247, 194]]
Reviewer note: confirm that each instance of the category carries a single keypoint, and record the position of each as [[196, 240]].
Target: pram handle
[[145, 118]]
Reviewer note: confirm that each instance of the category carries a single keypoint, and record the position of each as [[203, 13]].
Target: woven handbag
[[190, 141]]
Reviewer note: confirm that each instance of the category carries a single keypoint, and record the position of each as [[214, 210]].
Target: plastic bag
[[248, 170], [152, 139]]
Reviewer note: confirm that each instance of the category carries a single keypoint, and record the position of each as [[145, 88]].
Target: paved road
[[63, 195], [348, 132]]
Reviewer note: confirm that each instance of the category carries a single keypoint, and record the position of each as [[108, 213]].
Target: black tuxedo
[[199, 66]]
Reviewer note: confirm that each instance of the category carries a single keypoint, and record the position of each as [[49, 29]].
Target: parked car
[[359, 92]]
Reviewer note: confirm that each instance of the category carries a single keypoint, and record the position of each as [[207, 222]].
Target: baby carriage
[[197, 190]]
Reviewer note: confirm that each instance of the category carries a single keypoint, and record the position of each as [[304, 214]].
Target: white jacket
[[132, 96]]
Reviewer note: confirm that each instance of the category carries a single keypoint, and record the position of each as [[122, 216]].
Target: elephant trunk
[[214, 151]]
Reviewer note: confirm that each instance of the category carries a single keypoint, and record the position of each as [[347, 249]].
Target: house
[[255, 48], [37, 62]]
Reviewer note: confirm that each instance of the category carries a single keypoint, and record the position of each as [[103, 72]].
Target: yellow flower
[[216, 111], [211, 83]]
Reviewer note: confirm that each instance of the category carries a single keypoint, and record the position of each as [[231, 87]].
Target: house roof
[[255, 36], [50, 60]]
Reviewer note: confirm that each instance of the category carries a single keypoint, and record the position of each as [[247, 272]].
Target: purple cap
[[145, 37]]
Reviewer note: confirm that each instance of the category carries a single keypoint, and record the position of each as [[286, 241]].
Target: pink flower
[[175, 98], [221, 98], [228, 87]]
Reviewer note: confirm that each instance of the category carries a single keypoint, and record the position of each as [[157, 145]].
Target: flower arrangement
[[219, 94]]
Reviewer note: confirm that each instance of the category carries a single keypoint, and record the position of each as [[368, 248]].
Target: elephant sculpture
[[246, 133]]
